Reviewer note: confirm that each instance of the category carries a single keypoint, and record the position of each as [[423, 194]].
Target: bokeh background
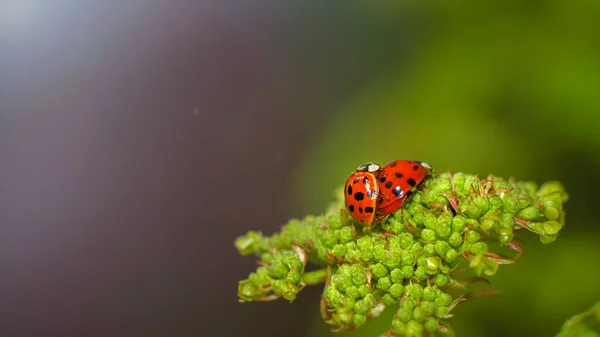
[[139, 138]]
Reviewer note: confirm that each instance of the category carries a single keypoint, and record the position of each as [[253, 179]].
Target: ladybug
[[361, 193], [396, 183]]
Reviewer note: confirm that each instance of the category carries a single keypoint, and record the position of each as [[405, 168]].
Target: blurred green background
[[509, 88]]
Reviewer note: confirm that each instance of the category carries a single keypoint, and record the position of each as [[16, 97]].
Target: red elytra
[[396, 183], [361, 192]]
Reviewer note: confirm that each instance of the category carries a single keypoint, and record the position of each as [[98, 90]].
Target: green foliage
[[414, 260], [586, 324]]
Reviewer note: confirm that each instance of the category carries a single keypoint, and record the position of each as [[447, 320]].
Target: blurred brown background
[[139, 138]]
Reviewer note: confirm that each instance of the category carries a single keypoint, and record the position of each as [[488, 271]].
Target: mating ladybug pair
[[373, 192]]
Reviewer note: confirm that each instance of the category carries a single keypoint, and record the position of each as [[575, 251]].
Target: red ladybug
[[361, 193], [396, 183]]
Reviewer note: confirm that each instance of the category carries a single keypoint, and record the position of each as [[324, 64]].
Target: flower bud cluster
[[408, 260]]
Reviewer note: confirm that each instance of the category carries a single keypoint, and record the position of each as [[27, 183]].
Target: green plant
[[425, 259]]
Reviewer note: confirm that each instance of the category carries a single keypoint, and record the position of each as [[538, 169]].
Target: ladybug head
[[368, 167]]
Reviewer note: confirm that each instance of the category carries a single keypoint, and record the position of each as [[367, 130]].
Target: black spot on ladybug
[[356, 180], [351, 208], [365, 180], [368, 209], [359, 196], [349, 190], [382, 179], [360, 209], [388, 184], [399, 175], [411, 182], [393, 164], [397, 191], [416, 167]]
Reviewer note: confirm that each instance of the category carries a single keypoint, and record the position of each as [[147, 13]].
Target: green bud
[[487, 224], [279, 270], [408, 303], [396, 226], [429, 249], [365, 243], [357, 272], [398, 326], [432, 263], [458, 223], [442, 311], [248, 290], [334, 221], [444, 229], [429, 293], [342, 317], [408, 258], [293, 277], [451, 255], [396, 290], [441, 247], [250, 243], [332, 295], [361, 307], [551, 227], [442, 280], [417, 247], [428, 235], [404, 314], [495, 201], [348, 302], [359, 320], [329, 239], [430, 308], [393, 259], [338, 250], [472, 236], [408, 271], [421, 273], [505, 235], [379, 252], [418, 218], [414, 328], [388, 299], [478, 248], [511, 204], [416, 291], [364, 290], [455, 239], [289, 294], [443, 300], [545, 239], [442, 185], [551, 213], [346, 235], [379, 270], [529, 213], [384, 283], [341, 282], [459, 181], [322, 253], [430, 324], [430, 221], [396, 275], [352, 291], [419, 314], [406, 240]]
